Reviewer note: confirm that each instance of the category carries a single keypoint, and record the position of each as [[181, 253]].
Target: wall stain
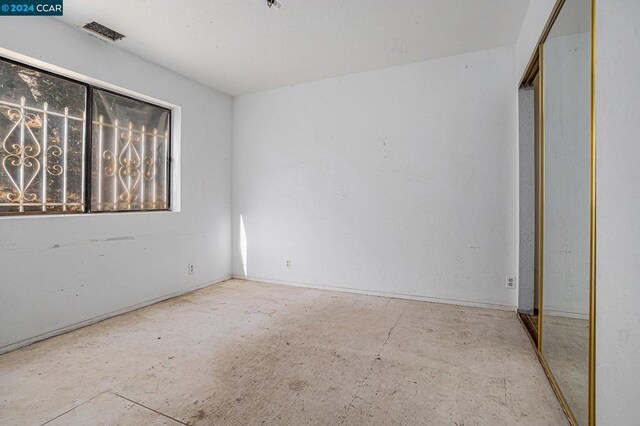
[[125, 238]]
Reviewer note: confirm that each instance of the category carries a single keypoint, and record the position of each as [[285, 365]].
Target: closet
[[561, 75]]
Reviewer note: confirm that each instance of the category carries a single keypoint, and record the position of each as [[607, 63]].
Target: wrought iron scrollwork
[[128, 166], [27, 156], [20, 162]]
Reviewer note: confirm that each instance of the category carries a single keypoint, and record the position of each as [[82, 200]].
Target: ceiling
[[242, 46]]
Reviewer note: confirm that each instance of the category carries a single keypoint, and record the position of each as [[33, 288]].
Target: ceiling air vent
[[103, 31]]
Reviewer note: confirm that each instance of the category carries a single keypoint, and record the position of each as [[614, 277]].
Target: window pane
[[42, 134], [131, 147]]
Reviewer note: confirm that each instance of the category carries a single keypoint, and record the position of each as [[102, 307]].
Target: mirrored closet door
[[565, 289]]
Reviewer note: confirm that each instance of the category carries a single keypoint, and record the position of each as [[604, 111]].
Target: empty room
[[336, 212]]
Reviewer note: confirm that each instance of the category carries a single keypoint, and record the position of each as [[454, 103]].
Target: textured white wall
[[567, 127], [60, 271], [402, 180], [618, 212], [527, 202]]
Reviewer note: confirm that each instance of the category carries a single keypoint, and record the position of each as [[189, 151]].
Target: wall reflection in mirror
[[566, 67]]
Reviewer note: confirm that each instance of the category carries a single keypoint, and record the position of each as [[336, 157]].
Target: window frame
[[88, 148]]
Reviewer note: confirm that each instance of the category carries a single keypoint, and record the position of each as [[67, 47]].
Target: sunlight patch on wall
[[243, 246]]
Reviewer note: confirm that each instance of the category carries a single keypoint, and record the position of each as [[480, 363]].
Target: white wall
[[618, 212], [534, 21], [526, 200], [60, 271], [401, 180]]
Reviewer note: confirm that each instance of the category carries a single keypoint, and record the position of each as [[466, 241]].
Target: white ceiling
[[242, 46]]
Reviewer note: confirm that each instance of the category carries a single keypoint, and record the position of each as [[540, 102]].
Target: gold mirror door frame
[[535, 70]]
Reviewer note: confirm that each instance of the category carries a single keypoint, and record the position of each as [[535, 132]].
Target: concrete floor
[[249, 353]]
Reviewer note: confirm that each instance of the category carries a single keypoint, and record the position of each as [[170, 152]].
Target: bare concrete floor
[[249, 353]]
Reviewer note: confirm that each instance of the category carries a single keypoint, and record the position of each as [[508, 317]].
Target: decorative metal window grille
[[130, 154], [52, 160]]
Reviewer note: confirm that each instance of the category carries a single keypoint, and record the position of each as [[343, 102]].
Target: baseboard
[[565, 314], [469, 303], [26, 342], [530, 327]]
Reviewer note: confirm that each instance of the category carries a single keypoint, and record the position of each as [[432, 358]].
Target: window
[[130, 154], [42, 136], [52, 160]]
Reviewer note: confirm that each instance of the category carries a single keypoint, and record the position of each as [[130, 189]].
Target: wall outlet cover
[[511, 282]]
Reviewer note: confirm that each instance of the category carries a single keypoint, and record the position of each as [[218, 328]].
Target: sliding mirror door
[[566, 66]]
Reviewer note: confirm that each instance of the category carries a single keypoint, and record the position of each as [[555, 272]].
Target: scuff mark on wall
[[125, 238]]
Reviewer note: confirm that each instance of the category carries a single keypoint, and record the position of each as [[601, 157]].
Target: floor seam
[[151, 409], [366, 376], [71, 409]]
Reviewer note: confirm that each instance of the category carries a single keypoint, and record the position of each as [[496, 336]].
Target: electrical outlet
[[511, 283], [192, 269], [287, 264]]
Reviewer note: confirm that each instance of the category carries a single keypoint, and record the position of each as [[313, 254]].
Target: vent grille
[[103, 31]]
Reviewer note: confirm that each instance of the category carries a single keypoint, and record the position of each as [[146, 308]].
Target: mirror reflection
[[567, 129]]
